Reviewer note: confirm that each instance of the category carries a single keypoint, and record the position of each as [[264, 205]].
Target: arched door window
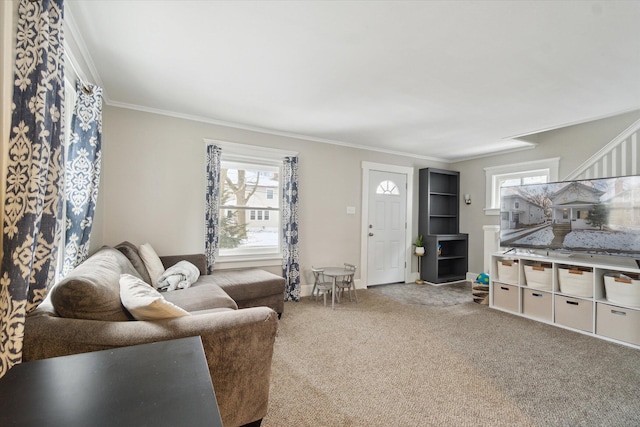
[[388, 188]]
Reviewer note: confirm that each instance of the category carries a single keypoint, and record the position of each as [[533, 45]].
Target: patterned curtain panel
[[32, 208], [212, 204], [82, 174], [290, 262]]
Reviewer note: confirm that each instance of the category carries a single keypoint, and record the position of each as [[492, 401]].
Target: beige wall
[[574, 145], [153, 186], [153, 183]]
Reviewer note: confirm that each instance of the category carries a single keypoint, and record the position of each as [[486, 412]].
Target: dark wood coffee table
[[159, 384]]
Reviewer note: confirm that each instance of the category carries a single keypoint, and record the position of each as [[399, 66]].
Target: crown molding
[[250, 128]]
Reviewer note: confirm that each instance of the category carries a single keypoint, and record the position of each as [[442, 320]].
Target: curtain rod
[[86, 88]]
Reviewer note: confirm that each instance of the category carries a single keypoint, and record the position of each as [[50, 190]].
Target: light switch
[[351, 210]]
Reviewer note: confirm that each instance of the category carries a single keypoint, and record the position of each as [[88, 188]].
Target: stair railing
[[618, 158]]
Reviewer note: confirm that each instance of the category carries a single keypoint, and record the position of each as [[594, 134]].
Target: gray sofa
[[234, 312]]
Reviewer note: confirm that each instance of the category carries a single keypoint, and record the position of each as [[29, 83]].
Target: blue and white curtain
[[32, 208], [212, 206], [290, 262], [82, 173]]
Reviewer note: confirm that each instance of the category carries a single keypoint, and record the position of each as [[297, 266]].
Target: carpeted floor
[[383, 362], [425, 294]]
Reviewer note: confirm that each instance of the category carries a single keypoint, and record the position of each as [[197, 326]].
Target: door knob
[[370, 234]]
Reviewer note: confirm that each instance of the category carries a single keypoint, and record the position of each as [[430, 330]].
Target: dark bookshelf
[[446, 249]]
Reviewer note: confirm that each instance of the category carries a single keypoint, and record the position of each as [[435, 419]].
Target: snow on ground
[[512, 234], [267, 236], [602, 239], [539, 238]]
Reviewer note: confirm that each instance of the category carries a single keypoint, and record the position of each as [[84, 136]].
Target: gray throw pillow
[[131, 252]]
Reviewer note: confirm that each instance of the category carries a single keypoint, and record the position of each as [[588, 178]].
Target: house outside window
[[254, 224], [248, 166], [535, 172]]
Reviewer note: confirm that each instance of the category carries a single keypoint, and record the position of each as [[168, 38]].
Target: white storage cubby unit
[[569, 293]]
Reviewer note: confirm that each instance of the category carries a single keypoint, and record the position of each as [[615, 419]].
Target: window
[[250, 197], [388, 188], [259, 215], [69, 104], [535, 172], [252, 223]]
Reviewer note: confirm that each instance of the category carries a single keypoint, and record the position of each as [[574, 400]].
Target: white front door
[[386, 227]]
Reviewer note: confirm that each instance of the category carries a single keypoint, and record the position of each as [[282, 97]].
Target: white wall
[[153, 186], [574, 145]]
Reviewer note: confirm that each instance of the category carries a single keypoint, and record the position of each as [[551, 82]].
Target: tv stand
[[588, 311]]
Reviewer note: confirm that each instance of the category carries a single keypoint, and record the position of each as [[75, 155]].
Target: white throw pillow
[[144, 302], [152, 262]]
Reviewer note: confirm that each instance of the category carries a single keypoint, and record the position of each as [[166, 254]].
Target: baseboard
[[305, 290]]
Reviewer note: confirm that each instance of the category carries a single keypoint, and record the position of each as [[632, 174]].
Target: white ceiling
[[435, 79]]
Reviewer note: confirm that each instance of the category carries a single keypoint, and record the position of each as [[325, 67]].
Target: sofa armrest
[[238, 345], [199, 260]]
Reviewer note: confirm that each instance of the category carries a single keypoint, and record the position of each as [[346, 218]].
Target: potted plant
[[419, 244]]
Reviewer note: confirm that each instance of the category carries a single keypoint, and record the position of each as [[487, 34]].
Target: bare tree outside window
[[245, 190]]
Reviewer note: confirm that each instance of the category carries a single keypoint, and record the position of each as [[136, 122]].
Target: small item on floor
[[483, 278], [480, 289]]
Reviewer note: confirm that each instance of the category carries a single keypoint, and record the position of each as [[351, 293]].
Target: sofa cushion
[[152, 262], [249, 284], [131, 252], [145, 302], [92, 289], [201, 296]]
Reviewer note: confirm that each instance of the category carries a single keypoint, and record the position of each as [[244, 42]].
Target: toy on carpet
[[483, 278]]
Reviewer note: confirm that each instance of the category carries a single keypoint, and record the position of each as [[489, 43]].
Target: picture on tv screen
[[595, 216]]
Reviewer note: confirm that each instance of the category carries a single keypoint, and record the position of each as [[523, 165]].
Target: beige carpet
[[386, 363]]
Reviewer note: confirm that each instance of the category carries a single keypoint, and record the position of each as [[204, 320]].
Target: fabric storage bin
[[506, 297], [622, 288], [537, 304], [576, 281], [508, 270], [618, 323], [538, 276], [574, 312]]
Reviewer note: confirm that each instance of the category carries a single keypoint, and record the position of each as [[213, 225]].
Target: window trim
[[551, 166], [267, 156]]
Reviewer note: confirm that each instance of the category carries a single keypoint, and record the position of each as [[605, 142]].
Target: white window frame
[[69, 105], [232, 151], [496, 174]]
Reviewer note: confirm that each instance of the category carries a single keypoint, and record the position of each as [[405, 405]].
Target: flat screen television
[[590, 217]]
